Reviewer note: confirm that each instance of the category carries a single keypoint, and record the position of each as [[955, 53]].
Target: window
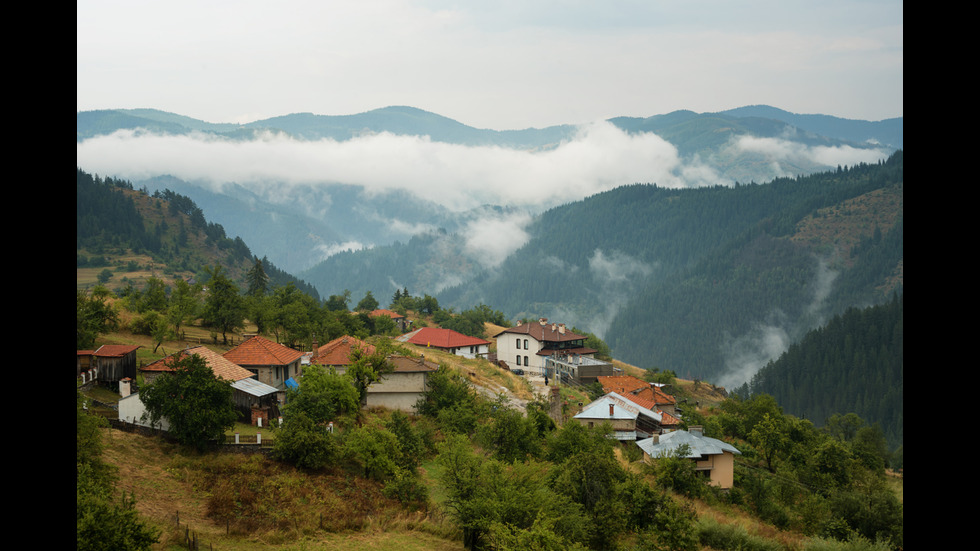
[[525, 361], [518, 344], [525, 344], [518, 360]]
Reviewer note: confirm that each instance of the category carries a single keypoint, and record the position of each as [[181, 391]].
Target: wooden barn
[[113, 362]]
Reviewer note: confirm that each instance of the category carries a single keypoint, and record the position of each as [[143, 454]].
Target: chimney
[[543, 321], [696, 429], [561, 328], [124, 387], [519, 322]]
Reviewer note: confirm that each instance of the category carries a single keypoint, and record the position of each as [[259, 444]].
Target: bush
[[732, 536]]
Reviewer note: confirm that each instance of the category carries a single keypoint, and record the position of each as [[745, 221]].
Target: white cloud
[[492, 240], [599, 158], [777, 151]]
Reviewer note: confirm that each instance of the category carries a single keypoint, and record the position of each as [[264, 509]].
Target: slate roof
[[700, 445], [221, 366], [440, 338], [337, 351], [262, 351]]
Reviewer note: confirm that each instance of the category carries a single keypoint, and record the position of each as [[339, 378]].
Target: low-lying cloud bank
[[599, 158]]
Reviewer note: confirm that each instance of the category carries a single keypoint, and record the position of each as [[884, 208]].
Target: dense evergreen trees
[[854, 364]]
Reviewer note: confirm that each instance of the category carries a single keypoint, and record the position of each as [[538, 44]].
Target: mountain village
[[547, 355]]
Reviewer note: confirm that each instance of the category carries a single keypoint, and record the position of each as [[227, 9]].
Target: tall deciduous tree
[[196, 404], [224, 308], [185, 303], [94, 316]]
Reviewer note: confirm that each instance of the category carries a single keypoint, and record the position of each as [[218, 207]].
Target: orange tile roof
[[629, 386], [383, 312], [442, 338], [337, 351], [262, 351], [221, 366]]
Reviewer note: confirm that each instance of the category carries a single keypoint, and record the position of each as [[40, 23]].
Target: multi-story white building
[[527, 345]]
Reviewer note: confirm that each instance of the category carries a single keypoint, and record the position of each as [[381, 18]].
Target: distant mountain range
[[336, 216], [686, 129]]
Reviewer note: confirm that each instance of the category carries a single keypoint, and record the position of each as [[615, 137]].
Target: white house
[[449, 341], [527, 345]]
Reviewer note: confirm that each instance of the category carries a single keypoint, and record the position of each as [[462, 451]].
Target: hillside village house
[[712, 457], [449, 341], [272, 362], [528, 345], [254, 399], [109, 363], [336, 353], [404, 386], [401, 321], [642, 393], [630, 421]]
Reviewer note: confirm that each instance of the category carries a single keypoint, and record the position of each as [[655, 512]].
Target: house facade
[[713, 458], [630, 421], [449, 341], [271, 362], [528, 345], [402, 388], [110, 362]]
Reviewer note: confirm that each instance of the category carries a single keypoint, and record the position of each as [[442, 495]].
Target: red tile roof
[[441, 338], [262, 351], [543, 332], [337, 351], [221, 366]]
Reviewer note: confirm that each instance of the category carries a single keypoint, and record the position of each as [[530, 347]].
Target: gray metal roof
[[622, 409], [253, 387], [700, 445]]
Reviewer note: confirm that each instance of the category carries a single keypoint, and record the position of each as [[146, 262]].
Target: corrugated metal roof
[[699, 444], [622, 409], [253, 387]]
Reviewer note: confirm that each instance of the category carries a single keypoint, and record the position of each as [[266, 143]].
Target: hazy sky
[[503, 65]]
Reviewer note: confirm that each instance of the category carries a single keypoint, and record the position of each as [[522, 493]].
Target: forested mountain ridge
[[854, 364], [114, 220], [699, 281]]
